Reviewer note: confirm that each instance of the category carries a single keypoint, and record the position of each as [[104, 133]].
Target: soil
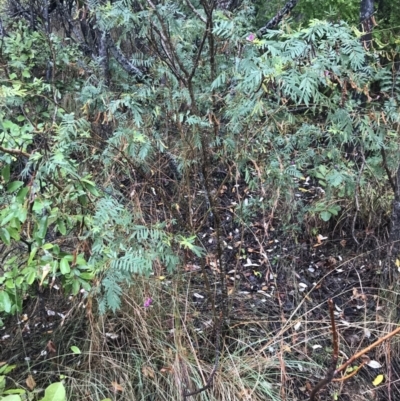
[[271, 275]]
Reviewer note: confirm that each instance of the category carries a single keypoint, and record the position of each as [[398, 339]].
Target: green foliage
[[53, 392], [105, 173]]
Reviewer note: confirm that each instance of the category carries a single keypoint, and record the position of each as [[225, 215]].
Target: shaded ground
[[277, 286]]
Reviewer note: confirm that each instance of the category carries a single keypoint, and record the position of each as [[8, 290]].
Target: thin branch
[[196, 62], [356, 198], [15, 152], [367, 349], [216, 363], [278, 17], [191, 6], [122, 60], [335, 355], [164, 33], [389, 174]]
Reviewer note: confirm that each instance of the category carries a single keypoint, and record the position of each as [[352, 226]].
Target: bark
[[395, 218], [366, 21], [278, 17]]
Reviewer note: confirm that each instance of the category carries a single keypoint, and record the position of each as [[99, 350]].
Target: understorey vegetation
[[184, 185]]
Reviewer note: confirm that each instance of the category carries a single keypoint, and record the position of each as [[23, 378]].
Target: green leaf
[[61, 227], [12, 397], [5, 236], [83, 200], [13, 186], [325, 215], [5, 301], [22, 194], [10, 284], [32, 255], [42, 228], [75, 350], [5, 172], [14, 233], [75, 287], [21, 214], [37, 205], [55, 392], [31, 276], [64, 266], [14, 391]]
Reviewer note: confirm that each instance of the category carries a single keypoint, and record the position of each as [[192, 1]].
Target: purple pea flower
[[251, 37], [147, 302]]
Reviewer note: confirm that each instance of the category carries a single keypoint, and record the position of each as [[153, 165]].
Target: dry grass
[[158, 353]]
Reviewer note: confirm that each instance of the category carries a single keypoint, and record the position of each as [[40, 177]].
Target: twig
[[216, 363], [335, 355], [191, 6], [389, 174], [15, 152], [356, 199], [332, 373], [353, 373], [367, 349], [278, 17]]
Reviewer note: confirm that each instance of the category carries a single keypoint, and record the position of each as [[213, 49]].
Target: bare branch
[[335, 355], [278, 17], [15, 152], [122, 60], [191, 6]]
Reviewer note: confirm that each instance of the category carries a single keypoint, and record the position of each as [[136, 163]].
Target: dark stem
[[335, 355]]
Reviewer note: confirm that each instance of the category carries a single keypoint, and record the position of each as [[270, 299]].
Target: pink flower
[[147, 302], [251, 37]]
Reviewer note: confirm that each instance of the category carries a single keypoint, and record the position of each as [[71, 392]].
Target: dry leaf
[[116, 387], [374, 364], [166, 369], [378, 380], [45, 271], [148, 371], [51, 347], [30, 382], [320, 238]]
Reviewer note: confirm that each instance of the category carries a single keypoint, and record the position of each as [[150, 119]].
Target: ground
[[277, 321]]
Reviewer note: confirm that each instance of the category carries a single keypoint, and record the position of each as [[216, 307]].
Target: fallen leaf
[[51, 347], [316, 346], [30, 382], [116, 387], [75, 349], [148, 371], [166, 369], [378, 380], [374, 364], [45, 271]]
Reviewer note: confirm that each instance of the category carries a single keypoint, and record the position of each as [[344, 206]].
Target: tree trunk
[[395, 219], [367, 21]]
